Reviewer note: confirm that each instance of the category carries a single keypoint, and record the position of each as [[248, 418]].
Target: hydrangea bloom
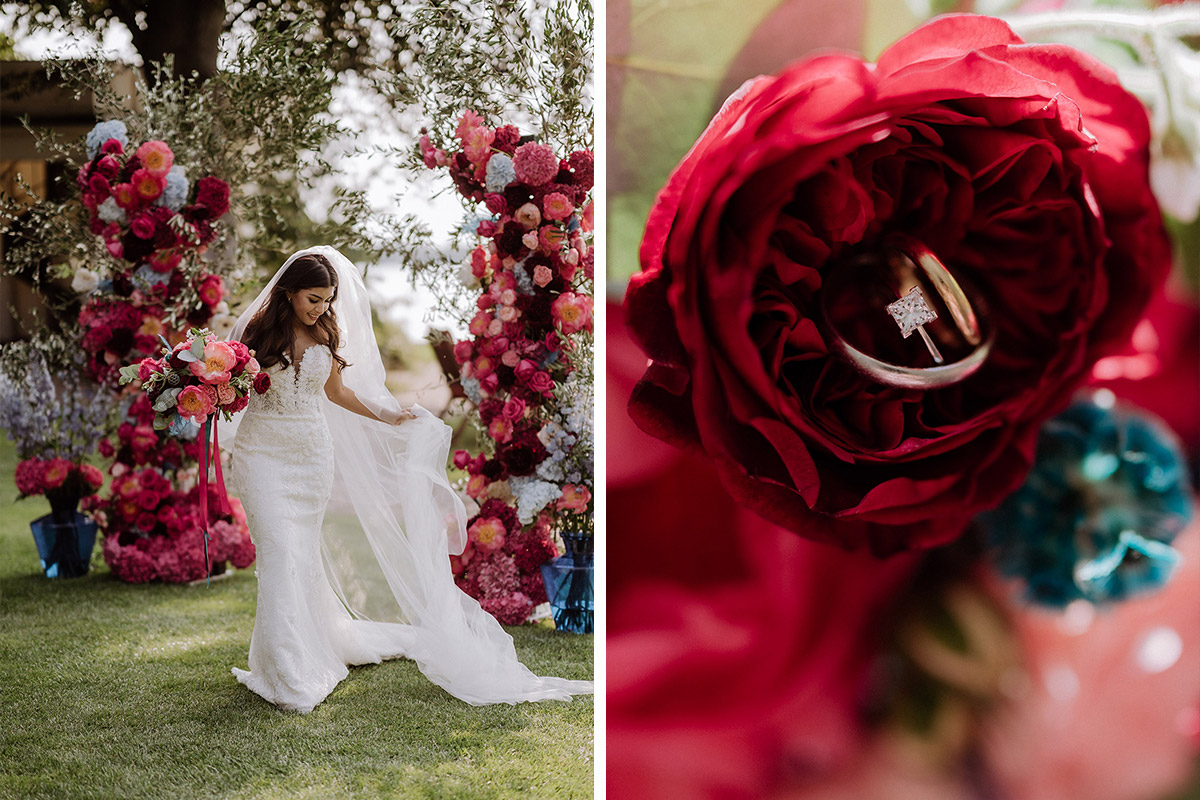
[[109, 211], [500, 172], [102, 132], [532, 496], [174, 196]]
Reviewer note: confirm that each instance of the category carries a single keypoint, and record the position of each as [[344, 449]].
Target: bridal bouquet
[[198, 377]]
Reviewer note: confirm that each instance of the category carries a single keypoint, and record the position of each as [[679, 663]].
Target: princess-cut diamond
[[911, 311]]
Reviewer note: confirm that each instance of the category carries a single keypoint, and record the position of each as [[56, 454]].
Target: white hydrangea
[[532, 496], [109, 211]]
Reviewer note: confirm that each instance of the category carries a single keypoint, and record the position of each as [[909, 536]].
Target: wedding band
[[908, 261]]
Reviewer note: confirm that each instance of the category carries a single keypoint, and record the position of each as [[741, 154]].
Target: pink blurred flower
[[1110, 705], [146, 185], [572, 312], [57, 470], [557, 206], [528, 216], [574, 498], [542, 275]]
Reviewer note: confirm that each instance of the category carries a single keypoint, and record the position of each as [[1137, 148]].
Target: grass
[[113, 690]]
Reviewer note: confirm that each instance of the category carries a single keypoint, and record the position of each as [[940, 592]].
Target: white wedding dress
[[353, 521]]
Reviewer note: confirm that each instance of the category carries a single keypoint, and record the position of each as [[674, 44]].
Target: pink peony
[[535, 164], [487, 533], [477, 485], [156, 158], [500, 429], [146, 185], [574, 498], [57, 472], [125, 196], [572, 312], [219, 360], [557, 206], [197, 402]]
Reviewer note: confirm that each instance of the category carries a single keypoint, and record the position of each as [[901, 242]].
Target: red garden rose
[[1023, 167]]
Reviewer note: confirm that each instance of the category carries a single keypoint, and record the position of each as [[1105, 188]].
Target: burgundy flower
[[262, 382], [213, 194], [1023, 167]]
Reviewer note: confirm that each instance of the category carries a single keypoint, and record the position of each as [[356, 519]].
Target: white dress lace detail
[[282, 469]]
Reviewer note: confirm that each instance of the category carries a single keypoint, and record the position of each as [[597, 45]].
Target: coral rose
[[1022, 167], [196, 403], [219, 359]]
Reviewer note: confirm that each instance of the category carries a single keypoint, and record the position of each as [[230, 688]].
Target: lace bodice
[[295, 391]]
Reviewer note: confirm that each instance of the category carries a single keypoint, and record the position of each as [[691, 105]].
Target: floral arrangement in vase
[[527, 366]]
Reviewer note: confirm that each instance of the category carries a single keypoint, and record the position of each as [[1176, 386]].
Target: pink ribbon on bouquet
[[207, 457]]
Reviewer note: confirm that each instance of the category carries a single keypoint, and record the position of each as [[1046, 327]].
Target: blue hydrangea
[[175, 195], [471, 387], [500, 172], [146, 277], [109, 211], [102, 132], [1095, 519]]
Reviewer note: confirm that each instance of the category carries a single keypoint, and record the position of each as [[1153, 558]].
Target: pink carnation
[[29, 476], [535, 164]]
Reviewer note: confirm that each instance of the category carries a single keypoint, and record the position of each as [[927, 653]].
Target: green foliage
[[260, 125], [120, 690]]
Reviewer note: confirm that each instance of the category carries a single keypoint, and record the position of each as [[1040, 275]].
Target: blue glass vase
[[570, 585], [64, 546]]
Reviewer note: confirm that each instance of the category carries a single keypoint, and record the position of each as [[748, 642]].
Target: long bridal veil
[[394, 519]]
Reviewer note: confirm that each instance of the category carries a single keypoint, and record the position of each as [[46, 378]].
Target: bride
[[350, 510]]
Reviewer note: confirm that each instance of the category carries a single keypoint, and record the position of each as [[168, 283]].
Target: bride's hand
[[401, 416]]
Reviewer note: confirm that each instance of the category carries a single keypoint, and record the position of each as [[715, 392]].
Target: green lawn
[[111, 690]]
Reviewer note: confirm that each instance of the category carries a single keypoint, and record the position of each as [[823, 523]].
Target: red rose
[[262, 382], [962, 137], [148, 367], [514, 409], [142, 226], [541, 381]]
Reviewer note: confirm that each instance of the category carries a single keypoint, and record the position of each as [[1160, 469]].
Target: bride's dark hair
[[271, 333]]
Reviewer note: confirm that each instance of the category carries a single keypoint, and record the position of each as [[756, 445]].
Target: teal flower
[[1097, 515]]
